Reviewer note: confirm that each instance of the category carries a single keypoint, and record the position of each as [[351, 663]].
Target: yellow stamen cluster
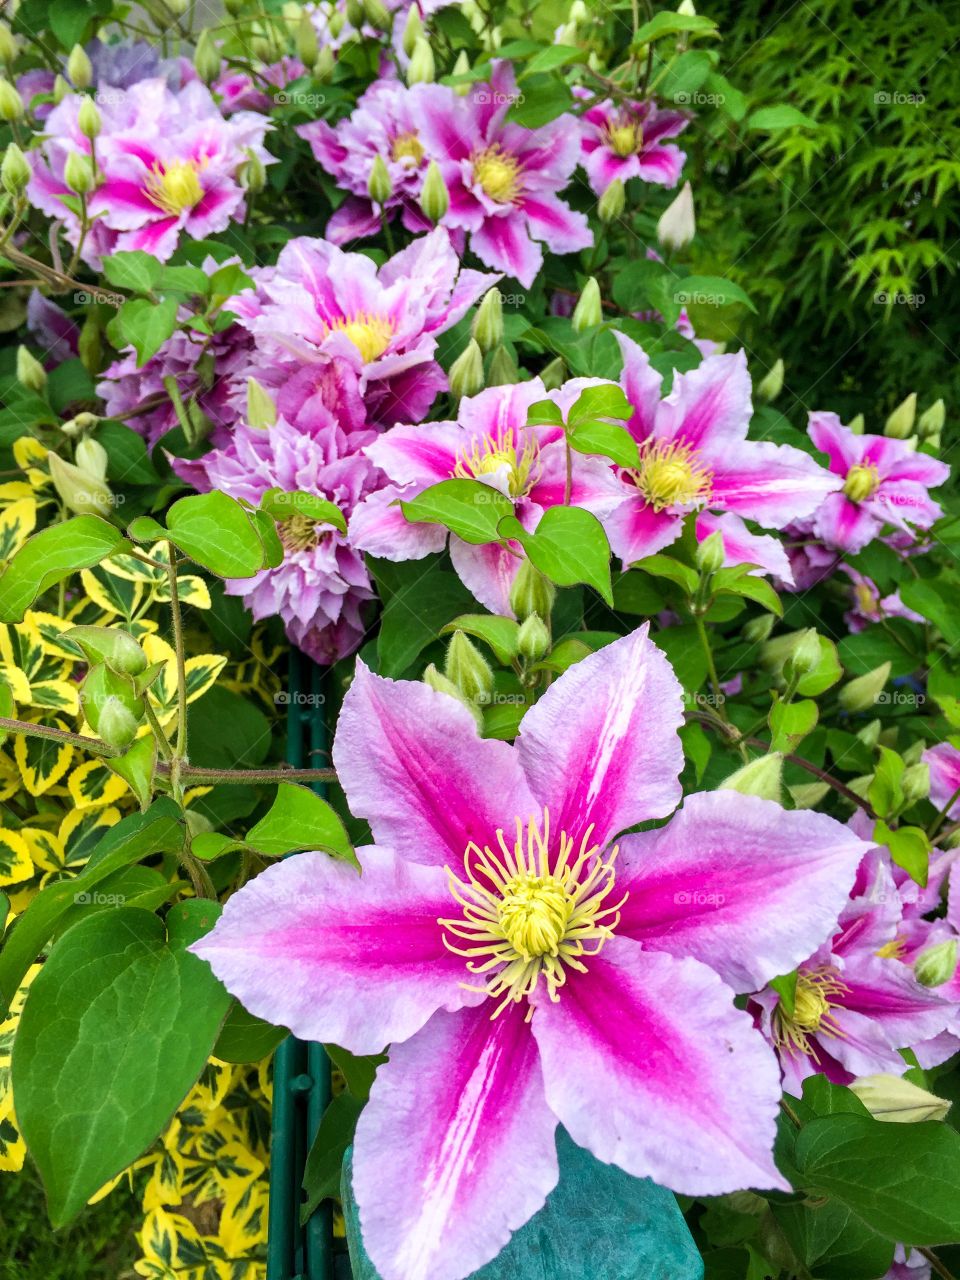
[[299, 533], [862, 482], [494, 452], [498, 173], [812, 1005], [625, 138], [174, 187], [531, 913], [895, 949], [407, 146], [369, 333], [671, 475]]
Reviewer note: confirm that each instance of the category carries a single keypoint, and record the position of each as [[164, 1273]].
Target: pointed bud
[[804, 657], [861, 694], [857, 425], [613, 201], [466, 666], [79, 68], [116, 725], [30, 372], [11, 104], [14, 171], [933, 442], [89, 121], [554, 374], [355, 13], [377, 14], [930, 423], [487, 327], [112, 707], [443, 684], [252, 173], [579, 13], [434, 196], [81, 492], [60, 89], [8, 45], [758, 629], [807, 795], [762, 777], [678, 225], [898, 1101], [115, 648], [687, 9], [589, 311], [460, 68], [92, 457], [323, 67], [533, 638], [869, 735], [90, 345], [770, 386], [531, 593], [709, 554], [206, 57], [78, 174], [79, 425], [379, 184], [308, 46], [421, 68], [937, 964], [466, 372], [900, 423], [916, 782], [177, 7], [503, 371], [261, 410], [412, 31]]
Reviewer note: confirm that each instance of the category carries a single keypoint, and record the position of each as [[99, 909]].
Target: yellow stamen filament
[[174, 187], [492, 453], [895, 949], [625, 138], [862, 482], [813, 1002], [498, 173], [671, 475], [299, 533], [369, 333], [867, 599], [529, 913], [407, 146]]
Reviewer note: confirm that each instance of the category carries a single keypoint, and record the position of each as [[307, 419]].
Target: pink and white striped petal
[[770, 483], [710, 406]]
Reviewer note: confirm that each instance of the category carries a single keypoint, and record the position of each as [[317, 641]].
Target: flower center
[[369, 333], [493, 453], [812, 1005], [671, 475], [530, 911], [625, 138], [862, 482], [174, 187], [498, 173], [299, 533], [866, 598], [407, 146]]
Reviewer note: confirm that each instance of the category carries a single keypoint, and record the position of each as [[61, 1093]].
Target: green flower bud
[[857, 425], [937, 964], [8, 45], [533, 638], [78, 425], [379, 184], [554, 374], [502, 372], [460, 68], [78, 174], [79, 68], [434, 196], [81, 492], [869, 735], [412, 31], [466, 372], [758, 629], [487, 327], [117, 649], [92, 457], [378, 15], [531, 593], [613, 201], [466, 666], [900, 423], [14, 170], [588, 311], [90, 345], [206, 57], [252, 173], [686, 7], [60, 89], [112, 707], [261, 410], [762, 777], [916, 782], [421, 69], [323, 67], [709, 554], [177, 7], [933, 442], [770, 386], [116, 726], [678, 225], [308, 46], [355, 13], [89, 121], [804, 657], [11, 104], [437, 680], [898, 1101], [807, 795], [30, 372], [862, 693], [235, 7], [930, 423]]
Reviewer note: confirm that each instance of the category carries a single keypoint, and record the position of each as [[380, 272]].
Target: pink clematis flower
[[489, 442], [527, 971], [323, 312], [944, 762], [628, 141], [868, 606], [503, 179], [884, 482], [695, 456]]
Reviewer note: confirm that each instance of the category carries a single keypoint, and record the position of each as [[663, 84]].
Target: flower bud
[[81, 492], [378, 15], [60, 89], [613, 201], [90, 345], [862, 693], [687, 9], [355, 13], [869, 735], [421, 68], [79, 68], [92, 457], [437, 680], [77, 426], [78, 174], [531, 593], [588, 311], [261, 410], [807, 795], [937, 964], [709, 554], [412, 31], [554, 374], [900, 423], [857, 425], [758, 629], [379, 184], [460, 68], [323, 67], [434, 196], [308, 46], [487, 327], [11, 104], [177, 7], [117, 649], [502, 372], [916, 782], [930, 423], [804, 656], [933, 442], [898, 1101], [533, 638], [112, 707], [762, 777], [89, 121], [252, 173], [466, 372], [770, 386], [116, 725], [30, 372], [14, 170], [677, 225], [8, 45], [579, 13], [206, 57], [466, 666]]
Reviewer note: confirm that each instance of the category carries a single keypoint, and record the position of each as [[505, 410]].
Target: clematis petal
[[738, 883], [843, 524], [740, 546], [887, 992], [601, 747], [641, 385], [503, 243], [412, 763], [358, 961], [455, 1149], [770, 483], [647, 1064], [838, 442], [944, 762], [708, 406], [637, 530], [488, 572]]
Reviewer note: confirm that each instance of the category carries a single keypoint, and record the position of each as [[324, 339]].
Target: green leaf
[[831, 1241], [419, 598], [299, 819], [886, 792], [69, 19], [786, 988], [668, 24], [684, 76], [212, 529], [359, 1071], [660, 566], [709, 291], [143, 325], [499, 633], [321, 1175], [739, 581], [569, 546], [937, 602], [608, 401], [132, 270], [52, 555], [117, 1027], [550, 58], [468, 508], [909, 848], [244, 1038], [282, 506], [825, 674], [790, 722], [544, 98], [780, 117], [136, 767], [608, 440]]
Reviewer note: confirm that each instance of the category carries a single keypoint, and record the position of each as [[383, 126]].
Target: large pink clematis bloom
[[944, 763], [884, 482], [503, 179], [695, 456], [490, 442], [629, 141], [527, 971]]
